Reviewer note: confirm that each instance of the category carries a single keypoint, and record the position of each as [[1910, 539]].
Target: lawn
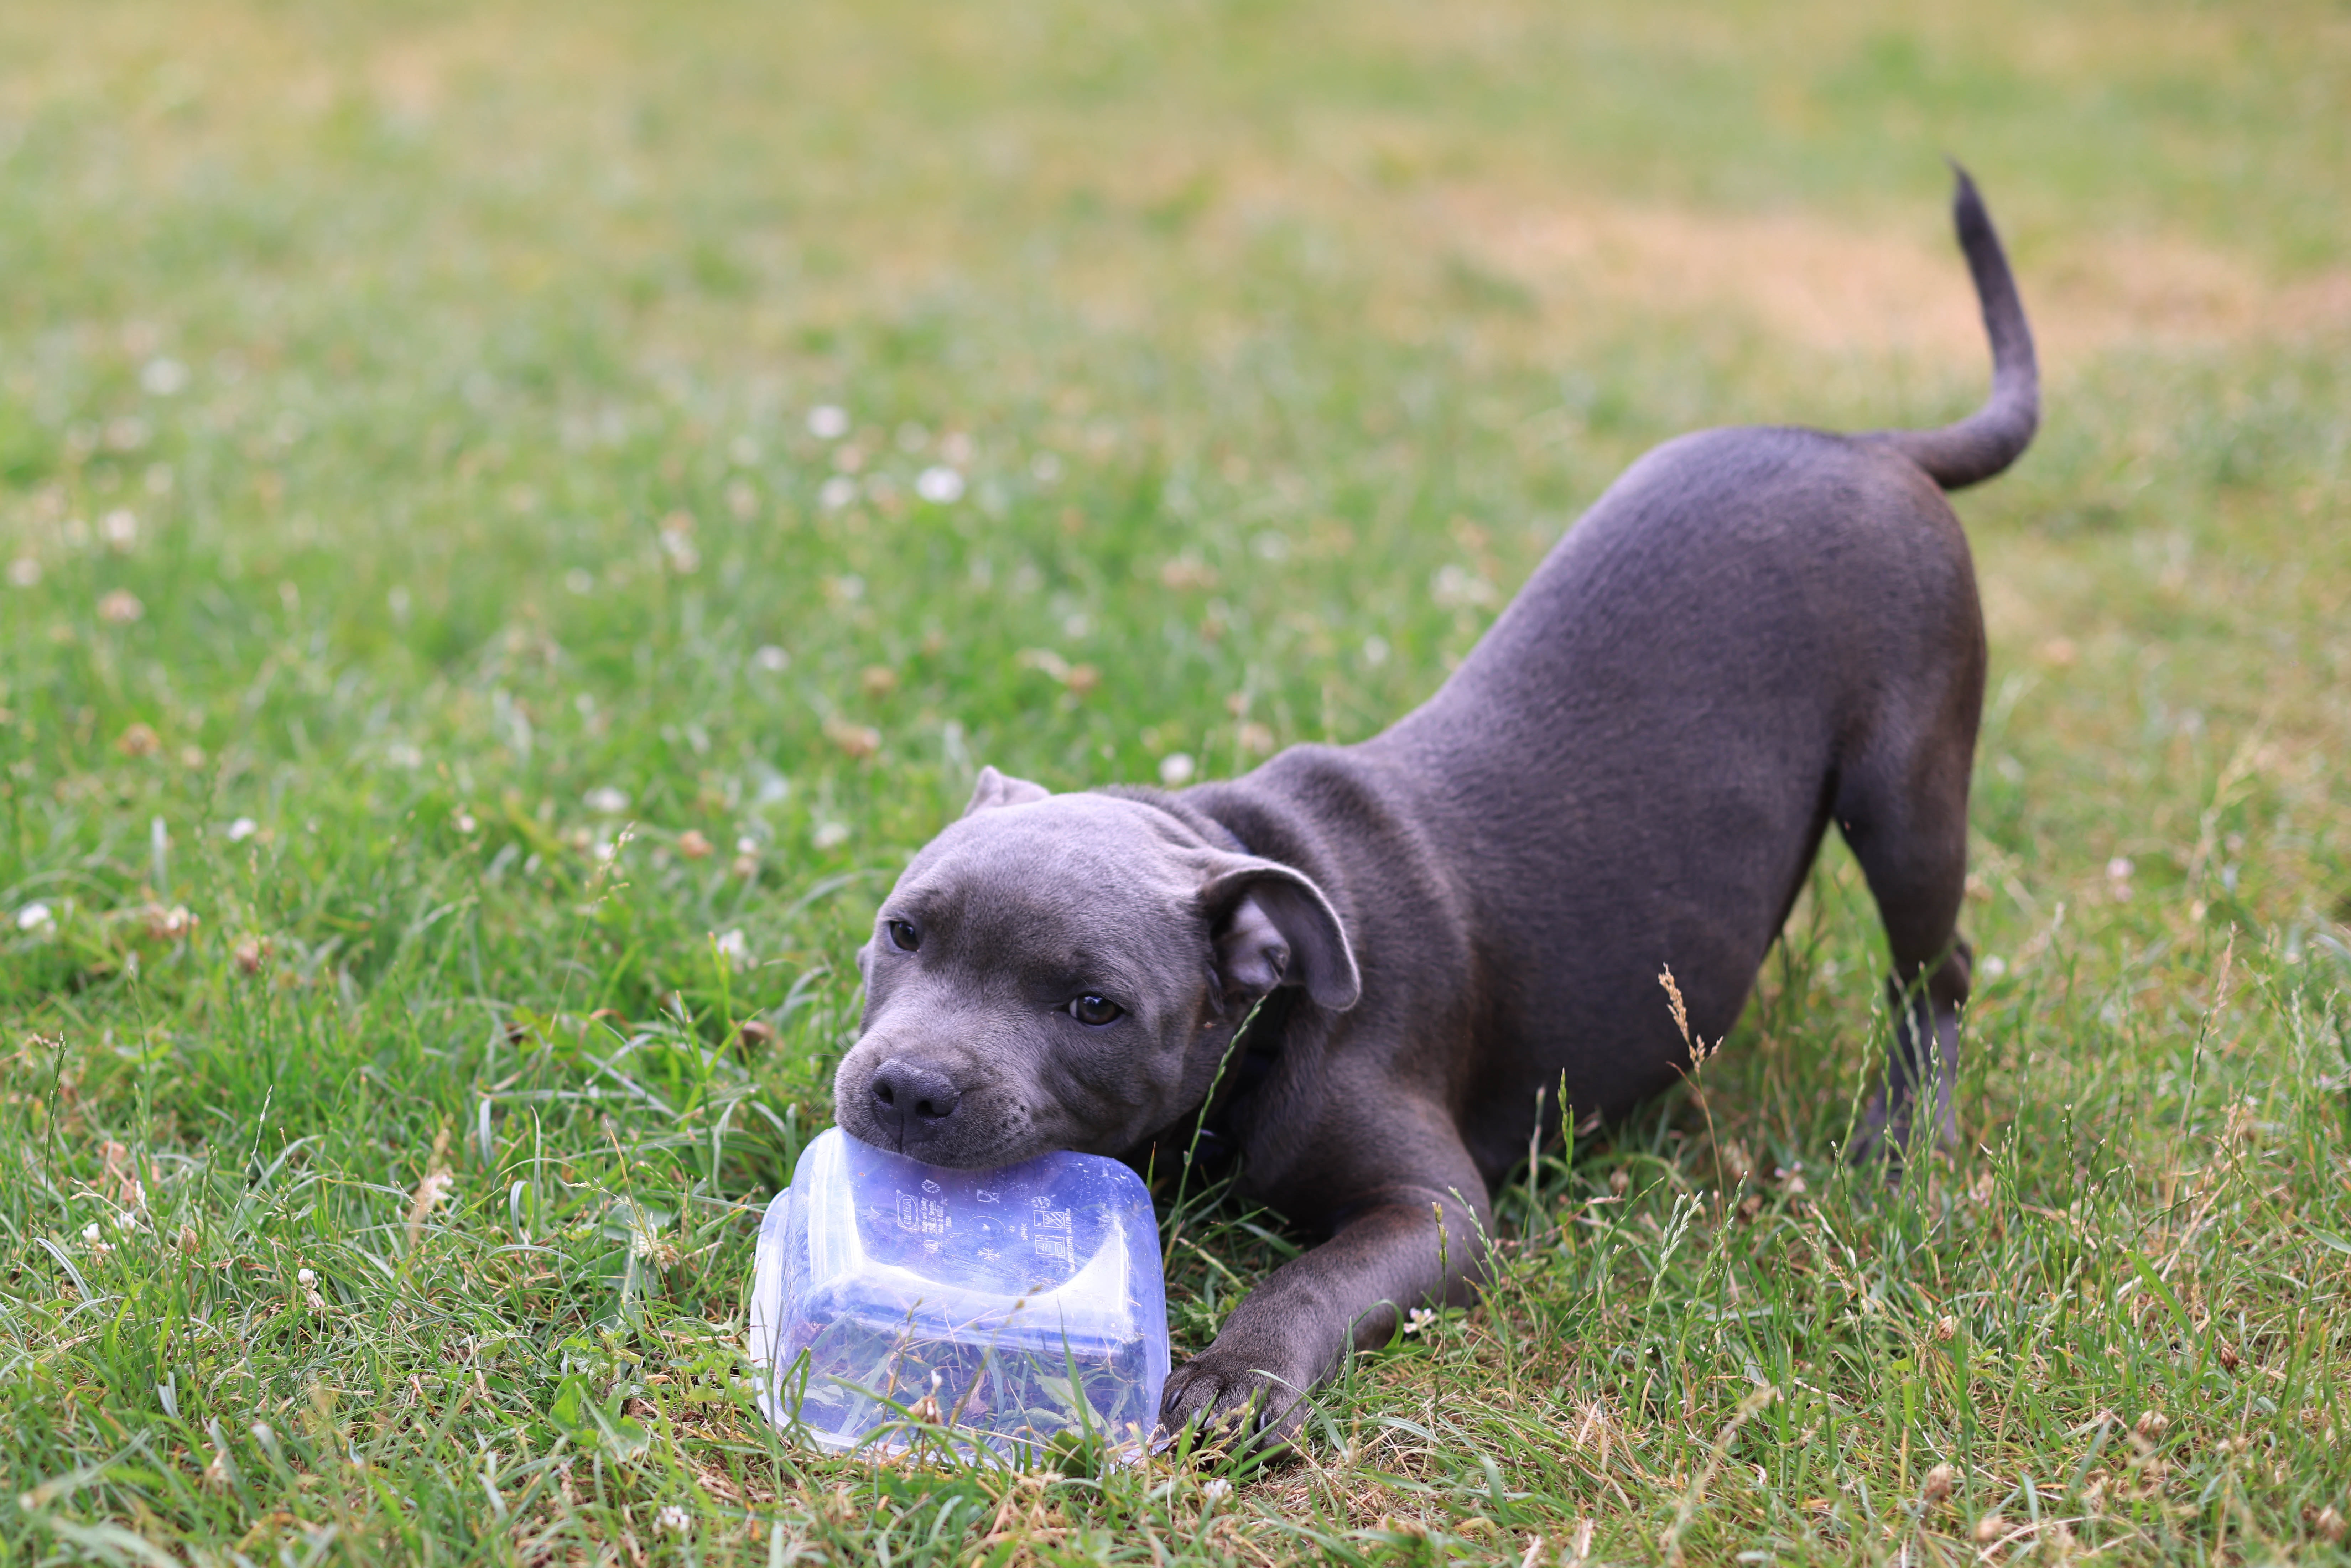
[[517, 518]]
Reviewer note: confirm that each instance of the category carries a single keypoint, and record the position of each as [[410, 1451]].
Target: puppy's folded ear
[[993, 789], [1272, 926]]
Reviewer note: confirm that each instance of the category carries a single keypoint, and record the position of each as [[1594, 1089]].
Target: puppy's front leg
[[1399, 1247]]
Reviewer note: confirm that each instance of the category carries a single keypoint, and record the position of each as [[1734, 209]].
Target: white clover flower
[[827, 421], [89, 1232], [580, 580], [305, 1278], [1175, 769], [1456, 587], [743, 452], [401, 754], [836, 492], [120, 529], [121, 608], [163, 377], [1375, 652], [32, 916], [673, 1519], [1216, 1488], [1045, 467], [243, 829], [939, 485], [830, 835], [606, 800], [24, 571], [466, 824], [734, 948], [770, 658]]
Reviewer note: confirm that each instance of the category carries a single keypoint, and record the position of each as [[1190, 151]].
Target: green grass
[[427, 347]]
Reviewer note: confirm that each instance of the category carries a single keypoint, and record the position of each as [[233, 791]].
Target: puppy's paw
[[1234, 1404]]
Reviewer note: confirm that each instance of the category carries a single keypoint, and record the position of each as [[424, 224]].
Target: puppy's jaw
[[991, 1128], [1021, 1095]]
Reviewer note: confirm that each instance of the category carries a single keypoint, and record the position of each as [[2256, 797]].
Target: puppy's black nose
[[912, 1101]]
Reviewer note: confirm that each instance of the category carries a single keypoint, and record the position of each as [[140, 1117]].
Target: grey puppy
[[1754, 633]]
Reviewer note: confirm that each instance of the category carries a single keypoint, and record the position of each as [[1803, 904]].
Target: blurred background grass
[[432, 617]]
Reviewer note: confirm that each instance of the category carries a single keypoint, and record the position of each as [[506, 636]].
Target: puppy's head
[[1064, 972]]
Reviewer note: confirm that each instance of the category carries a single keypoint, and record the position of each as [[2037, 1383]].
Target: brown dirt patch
[[1832, 286]]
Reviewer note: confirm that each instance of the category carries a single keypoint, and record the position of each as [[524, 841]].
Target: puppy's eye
[[1095, 1010], [904, 936]]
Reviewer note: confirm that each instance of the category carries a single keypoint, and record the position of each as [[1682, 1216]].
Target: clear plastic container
[[1025, 1306]]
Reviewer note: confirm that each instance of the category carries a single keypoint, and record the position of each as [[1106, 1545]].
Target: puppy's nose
[[912, 1101]]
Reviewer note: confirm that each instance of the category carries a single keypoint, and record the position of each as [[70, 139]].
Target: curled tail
[[1996, 434]]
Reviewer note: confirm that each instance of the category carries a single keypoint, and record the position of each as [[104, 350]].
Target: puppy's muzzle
[[911, 1104]]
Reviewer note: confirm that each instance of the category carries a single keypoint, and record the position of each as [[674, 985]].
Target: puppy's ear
[[1272, 926], [993, 789]]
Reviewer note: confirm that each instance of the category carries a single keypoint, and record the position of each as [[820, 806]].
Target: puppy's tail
[[1996, 434]]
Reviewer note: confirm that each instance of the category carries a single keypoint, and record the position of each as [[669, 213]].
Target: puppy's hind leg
[[1907, 825]]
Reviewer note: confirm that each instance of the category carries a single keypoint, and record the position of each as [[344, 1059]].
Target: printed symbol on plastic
[[1049, 1234]]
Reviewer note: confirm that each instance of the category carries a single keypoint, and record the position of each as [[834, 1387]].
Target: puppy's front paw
[[1236, 1405]]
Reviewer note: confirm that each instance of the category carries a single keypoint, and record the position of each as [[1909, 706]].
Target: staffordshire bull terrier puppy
[[1753, 633]]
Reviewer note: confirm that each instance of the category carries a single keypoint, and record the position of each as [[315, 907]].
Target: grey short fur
[[1755, 632]]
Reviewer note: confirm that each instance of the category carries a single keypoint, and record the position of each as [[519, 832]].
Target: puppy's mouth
[[926, 1114]]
